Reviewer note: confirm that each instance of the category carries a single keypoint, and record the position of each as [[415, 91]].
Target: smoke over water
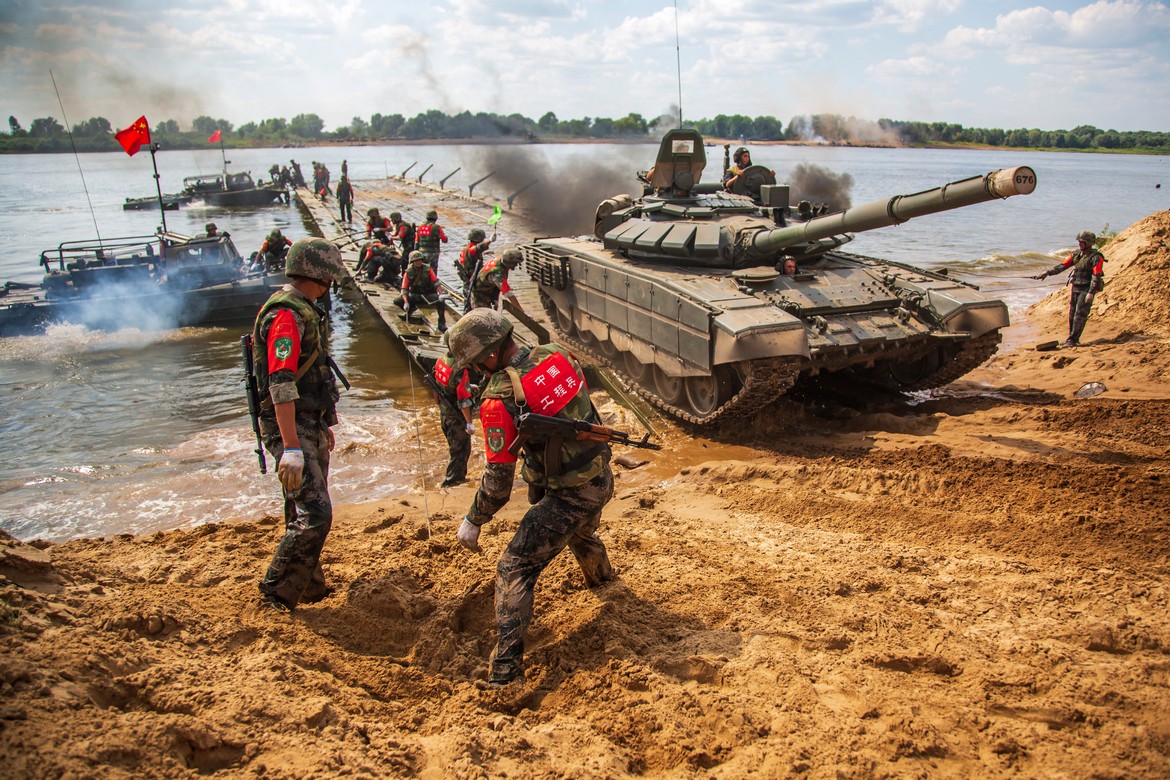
[[817, 184], [562, 198]]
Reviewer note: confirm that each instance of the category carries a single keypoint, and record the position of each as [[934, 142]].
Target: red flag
[[134, 136], [214, 137]]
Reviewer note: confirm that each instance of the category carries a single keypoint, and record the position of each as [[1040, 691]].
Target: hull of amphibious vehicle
[[709, 344]]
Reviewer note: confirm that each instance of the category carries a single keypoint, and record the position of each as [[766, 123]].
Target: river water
[[135, 431]]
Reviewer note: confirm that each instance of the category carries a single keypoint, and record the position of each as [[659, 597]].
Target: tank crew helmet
[[1087, 237], [372, 213], [417, 255], [432, 215], [740, 152], [316, 259], [511, 257], [478, 334], [475, 235], [395, 216]]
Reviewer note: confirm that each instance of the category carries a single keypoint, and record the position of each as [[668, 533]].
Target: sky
[[979, 63]]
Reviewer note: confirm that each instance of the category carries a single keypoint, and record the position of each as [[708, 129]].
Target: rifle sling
[[266, 402]]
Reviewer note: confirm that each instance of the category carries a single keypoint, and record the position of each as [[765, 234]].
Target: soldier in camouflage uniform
[[378, 226], [403, 233], [455, 418], [1087, 279], [427, 238], [298, 406], [420, 289], [470, 261], [274, 249], [381, 264], [492, 281], [569, 481]]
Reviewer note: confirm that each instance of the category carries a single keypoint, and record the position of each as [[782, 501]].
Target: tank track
[[972, 355], [766, 380]]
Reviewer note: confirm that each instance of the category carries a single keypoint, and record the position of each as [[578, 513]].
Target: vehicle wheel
[[635, 369], [669, 388], [565, 322], [607, 348], [703, 394]]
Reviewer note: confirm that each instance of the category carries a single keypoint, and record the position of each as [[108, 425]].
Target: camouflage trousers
[[561, 518], [1080, 302], [295, 571], [458, 445]]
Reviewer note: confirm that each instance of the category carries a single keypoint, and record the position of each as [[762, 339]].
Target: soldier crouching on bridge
[[298, 400], [1087, 279], [569, 481], [420, 289]]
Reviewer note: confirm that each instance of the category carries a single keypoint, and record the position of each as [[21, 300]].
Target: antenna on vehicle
[[678, 63], [77, 157]]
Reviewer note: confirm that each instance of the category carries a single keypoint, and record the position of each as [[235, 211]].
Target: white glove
[[470, 429], [290, 468], [468, 535]]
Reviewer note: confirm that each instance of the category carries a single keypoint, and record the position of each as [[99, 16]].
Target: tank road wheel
[[607, 349], [703, 394], [635, 369], [565, 322], [669, 388]]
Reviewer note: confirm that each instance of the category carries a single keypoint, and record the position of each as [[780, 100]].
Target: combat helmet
[[395, 216], [478, 333], [275, 235], [511, 257], [416, 255], [314, 258], [1088, 237], [432, 215], [475, 235], [372, 213]]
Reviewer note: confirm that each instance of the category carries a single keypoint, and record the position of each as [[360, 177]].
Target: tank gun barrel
[[1003, 183]]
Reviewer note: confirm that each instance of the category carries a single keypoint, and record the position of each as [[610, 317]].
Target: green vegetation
[[96, 134]]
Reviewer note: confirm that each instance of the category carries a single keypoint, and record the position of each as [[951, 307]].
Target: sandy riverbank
[[975, 587]]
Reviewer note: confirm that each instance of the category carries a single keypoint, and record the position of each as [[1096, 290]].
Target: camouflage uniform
[[295, 571], [420, 290], [470, 261], [274, 249], [455, 388], [493, 280], [345, 199], [377, 226], [427, 238], [1086, 280], [403, 233], [381, 264], [566, 501]]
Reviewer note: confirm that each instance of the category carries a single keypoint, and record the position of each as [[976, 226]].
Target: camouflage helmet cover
[[210, 226], [477, 334], [395, 216], [314, 258], [416, 255], [475, 235], [275, 235], [372, 213], [1087, 236], [432, 215], [511, 257]]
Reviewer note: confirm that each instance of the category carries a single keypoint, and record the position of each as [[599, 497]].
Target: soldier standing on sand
[[1087, 279], [457, 427], [345, 199], [569, 481], [298, 406], [427, 238]]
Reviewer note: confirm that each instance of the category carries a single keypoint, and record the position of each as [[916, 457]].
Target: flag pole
[[158, 187]]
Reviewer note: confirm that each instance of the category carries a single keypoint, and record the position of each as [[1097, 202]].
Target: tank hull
[[710, 344]]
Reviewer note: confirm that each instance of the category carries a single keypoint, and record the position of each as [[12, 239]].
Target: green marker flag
[[495, 217]]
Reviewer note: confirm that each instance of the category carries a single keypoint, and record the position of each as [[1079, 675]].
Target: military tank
[[713, 304]]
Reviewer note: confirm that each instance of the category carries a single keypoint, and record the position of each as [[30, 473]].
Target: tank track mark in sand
[[764, 382]]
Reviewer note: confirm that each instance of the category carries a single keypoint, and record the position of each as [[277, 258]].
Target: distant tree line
[[96, 134]]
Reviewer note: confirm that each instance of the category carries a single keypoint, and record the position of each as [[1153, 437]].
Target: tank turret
[[714, 303]]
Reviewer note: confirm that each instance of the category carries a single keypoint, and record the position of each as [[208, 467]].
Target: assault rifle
[[252, 390], [429, 380], [531, 425]]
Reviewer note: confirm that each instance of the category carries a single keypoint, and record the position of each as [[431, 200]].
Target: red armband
[[499, 431], [284, 343]]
